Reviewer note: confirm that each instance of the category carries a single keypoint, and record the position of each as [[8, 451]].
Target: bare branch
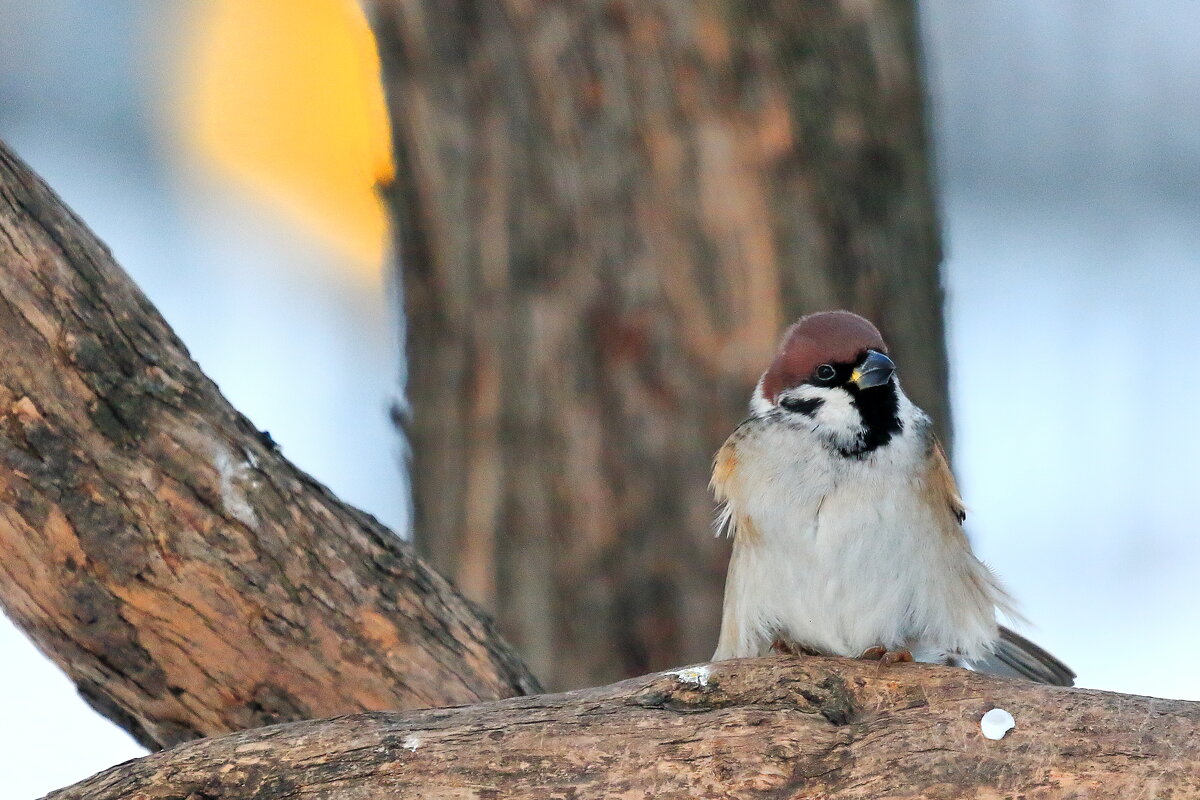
[[187, 577], [776, 727]]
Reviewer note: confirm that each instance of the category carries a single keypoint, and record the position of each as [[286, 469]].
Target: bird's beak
[[875, 370]]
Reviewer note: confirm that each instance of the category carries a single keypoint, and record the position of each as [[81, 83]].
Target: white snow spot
[[251, 459], [411, 743], [697, 676], [996, 723], [233, 473]]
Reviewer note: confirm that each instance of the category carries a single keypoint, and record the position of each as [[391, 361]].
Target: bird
[[847, 523]]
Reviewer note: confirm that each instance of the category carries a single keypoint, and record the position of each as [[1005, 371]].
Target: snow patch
[[233, 473], [696, 676], [996, 723]]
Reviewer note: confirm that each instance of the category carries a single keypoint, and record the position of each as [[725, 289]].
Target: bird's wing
[[1012, 653], [1016, 655], [742, 636], [940, 484], [724, 477], [724, 466]]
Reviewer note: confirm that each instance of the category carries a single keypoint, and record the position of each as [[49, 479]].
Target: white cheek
[[837, 420], [838, 413]]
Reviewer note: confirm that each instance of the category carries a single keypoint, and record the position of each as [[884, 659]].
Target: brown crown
[[828, 337]]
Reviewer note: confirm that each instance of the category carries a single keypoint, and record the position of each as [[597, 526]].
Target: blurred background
[[227, 152]]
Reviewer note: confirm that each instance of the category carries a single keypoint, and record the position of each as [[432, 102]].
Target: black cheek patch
[[803, 405]]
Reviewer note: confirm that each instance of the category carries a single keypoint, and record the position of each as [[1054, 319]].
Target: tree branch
[[158, 548], [776, 727]]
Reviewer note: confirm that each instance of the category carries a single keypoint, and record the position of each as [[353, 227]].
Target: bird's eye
[[826, 372]]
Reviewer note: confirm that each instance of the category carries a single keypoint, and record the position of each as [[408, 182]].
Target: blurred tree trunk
[[608, 211]]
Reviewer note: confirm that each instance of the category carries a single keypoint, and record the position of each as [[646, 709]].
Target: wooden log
[[161, 550], [780, 727]]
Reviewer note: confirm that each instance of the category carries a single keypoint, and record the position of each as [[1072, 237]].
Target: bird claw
[[896, 657], [783, 648], [885, 657]]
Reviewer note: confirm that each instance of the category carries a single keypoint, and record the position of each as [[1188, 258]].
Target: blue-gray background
[[1068, 137]]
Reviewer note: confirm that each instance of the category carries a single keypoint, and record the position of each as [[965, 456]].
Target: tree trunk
[[608, 212], [770, 728], [162, 552]]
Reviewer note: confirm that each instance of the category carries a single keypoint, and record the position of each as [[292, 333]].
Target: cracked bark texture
[[763, 728], [608, 211], [162, 552]]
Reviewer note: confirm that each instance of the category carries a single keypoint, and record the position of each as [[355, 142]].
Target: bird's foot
[[885, 657], [896, 657], [783, 648], [786, 648]]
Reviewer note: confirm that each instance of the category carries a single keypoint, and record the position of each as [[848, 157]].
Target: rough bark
[[769, 728], [161, 550], [608, 211]]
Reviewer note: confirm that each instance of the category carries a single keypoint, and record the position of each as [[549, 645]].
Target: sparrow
[[847, 524]]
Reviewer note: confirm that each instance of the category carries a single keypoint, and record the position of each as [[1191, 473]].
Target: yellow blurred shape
[[286, 98]]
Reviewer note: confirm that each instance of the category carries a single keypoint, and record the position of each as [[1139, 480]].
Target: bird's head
[[832, 373]]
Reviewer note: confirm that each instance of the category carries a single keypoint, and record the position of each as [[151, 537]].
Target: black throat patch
[[879, 408]]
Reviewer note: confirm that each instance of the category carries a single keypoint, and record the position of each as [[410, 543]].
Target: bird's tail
[[1016, 655]]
